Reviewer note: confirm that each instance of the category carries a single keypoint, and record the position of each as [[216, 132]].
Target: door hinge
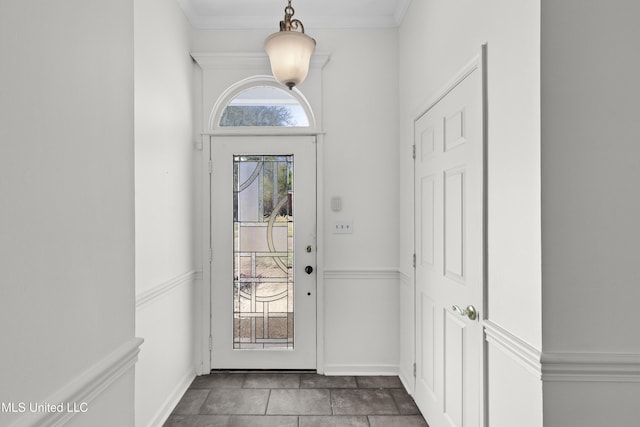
[[414, 370], [210, 255], [414, 261], [210, 166], [413, 151], [211, 343]]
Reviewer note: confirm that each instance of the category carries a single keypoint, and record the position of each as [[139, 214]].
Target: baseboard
[[591, 367], [406, 377], [151, 295], [335, 369], [86, 387], [170, 403], [407, 380], [514, 347]]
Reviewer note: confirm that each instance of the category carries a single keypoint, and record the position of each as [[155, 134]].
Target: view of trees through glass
[[264, 106], [256, 115]]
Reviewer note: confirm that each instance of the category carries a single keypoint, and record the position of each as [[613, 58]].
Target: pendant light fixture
[[289, 51]]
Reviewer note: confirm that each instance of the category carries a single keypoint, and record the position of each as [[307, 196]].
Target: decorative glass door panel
[[263, 294], [263, 285]]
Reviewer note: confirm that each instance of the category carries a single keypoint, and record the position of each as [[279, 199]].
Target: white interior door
[[449, 208], [263, 234]]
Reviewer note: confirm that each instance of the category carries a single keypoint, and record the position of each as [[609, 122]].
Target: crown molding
[[234, 22], [204, 22], [401, 10]]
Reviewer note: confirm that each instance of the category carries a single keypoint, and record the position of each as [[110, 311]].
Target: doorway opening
[[261, 225]]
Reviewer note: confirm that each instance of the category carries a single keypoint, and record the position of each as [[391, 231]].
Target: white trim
[[320, 289], [592, 367], [237, 60], [150, 296], [518, 349], [353, 369], [407, 380], [375, 274], [232, 22], [170, 403], [87, 386], [228, 22], [263, 131], [258, 81], [401, 10], [476, 63], [405, 279], [565, 367], [203, 290]]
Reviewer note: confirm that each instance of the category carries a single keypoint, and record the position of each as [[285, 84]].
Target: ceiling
[[231, 14]]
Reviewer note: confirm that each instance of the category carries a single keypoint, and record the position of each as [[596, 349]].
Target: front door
[[449, 256], [263, 232]]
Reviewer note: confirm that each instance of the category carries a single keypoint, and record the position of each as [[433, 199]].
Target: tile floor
[[269, 399]]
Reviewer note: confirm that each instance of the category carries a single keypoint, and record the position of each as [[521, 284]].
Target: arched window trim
[[258, 81]]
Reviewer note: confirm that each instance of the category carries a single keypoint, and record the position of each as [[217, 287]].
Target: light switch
[[336, 204]]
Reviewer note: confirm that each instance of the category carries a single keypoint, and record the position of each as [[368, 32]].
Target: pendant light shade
[[289, 51]]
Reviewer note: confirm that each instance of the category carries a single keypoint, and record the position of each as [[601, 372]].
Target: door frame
[[203, 291], [479, 62]]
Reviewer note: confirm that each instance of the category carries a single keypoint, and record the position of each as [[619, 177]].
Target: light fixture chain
[[290, 24]]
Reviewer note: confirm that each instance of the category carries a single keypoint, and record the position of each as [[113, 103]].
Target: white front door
[[449, 211], [263, 233]]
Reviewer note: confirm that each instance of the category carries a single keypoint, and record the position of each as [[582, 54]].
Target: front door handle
[[470, 311], [308, 269]]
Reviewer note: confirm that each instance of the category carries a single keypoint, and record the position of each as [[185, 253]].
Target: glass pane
[[263, 252], [264, 106]]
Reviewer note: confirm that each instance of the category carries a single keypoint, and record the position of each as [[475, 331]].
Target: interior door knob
[[470, 311], [308, 269]]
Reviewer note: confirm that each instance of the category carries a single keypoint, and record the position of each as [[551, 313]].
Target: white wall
[[165, 208], [359, 107], [590, 209], [67, 216], [437, 38]]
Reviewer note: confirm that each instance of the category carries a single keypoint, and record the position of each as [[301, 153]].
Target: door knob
[[308, 269], [470, 311]]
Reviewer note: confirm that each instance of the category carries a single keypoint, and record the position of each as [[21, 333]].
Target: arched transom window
[[264, 106], [261, 102]]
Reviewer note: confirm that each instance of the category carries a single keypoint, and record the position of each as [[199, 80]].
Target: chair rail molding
[[356, 274], [513, 346], [405, 279], [149, 296], [86, 387], [592, 367]]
